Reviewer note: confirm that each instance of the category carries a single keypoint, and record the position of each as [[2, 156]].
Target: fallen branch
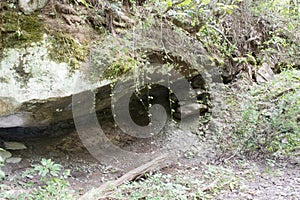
[[153, 165], [283, 92]]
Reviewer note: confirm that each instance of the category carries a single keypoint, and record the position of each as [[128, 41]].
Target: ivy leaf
[[169, 3]]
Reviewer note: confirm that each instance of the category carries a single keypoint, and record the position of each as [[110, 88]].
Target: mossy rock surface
[[20, 30], [65, 48]]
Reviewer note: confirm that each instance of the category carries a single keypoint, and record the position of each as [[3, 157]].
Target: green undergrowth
[[46, 180], [270, 119]]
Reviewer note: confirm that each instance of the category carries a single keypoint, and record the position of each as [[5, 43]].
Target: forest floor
[[232, 178]]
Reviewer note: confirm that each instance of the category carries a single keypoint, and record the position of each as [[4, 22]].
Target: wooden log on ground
[[99, 192]]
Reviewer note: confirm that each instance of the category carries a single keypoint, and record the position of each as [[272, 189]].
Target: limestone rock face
[[35, 90], [29, 6], [39, 92]]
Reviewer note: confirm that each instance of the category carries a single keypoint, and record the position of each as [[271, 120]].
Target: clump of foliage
[[264, 32], [201, 19], [281, 44], [52, 183], [270, 122]]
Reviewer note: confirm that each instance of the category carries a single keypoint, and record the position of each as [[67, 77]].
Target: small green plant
[[47, 167], [53, 181]]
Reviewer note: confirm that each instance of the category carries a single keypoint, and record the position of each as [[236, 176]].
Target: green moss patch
[[64, 48], [19, 30], [117, 69]]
